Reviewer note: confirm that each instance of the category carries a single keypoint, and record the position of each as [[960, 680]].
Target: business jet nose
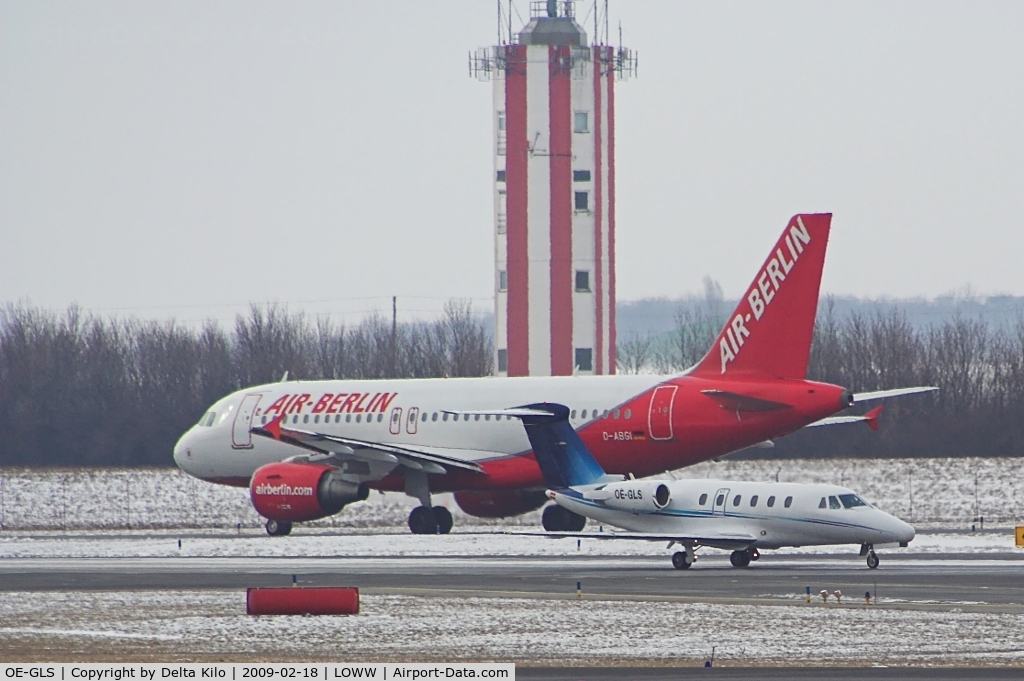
[[904, 532]]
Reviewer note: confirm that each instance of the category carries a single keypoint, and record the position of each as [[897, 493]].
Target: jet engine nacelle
[[295, 492], [638, 496], [502, 504]]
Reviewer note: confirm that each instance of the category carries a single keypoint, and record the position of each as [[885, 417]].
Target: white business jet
[[723, 514]]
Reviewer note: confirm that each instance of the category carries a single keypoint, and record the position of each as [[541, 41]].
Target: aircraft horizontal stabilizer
[[895, 392], [870, 418], [736, 402]]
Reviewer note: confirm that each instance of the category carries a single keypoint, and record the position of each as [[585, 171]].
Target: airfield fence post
[[128, 501], [64, 502], [2, 515]]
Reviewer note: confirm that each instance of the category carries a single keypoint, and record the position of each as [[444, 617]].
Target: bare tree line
[[80, 390]]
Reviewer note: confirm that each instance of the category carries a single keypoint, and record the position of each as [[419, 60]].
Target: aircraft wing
[[434, 460], [720, 540]]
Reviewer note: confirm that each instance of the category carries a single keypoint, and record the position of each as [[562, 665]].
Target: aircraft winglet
[[871, 418]]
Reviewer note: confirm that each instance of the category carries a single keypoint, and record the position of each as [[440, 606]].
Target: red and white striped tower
[[554, 194]]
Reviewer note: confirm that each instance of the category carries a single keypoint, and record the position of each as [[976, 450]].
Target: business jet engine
[[295, 492], [501, 504], [639, 496]]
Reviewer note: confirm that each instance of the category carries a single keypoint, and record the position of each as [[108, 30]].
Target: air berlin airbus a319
[[306, 449]]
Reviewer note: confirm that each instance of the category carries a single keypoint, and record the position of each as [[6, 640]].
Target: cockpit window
[[210, 418], [851, 500], [833, 503], [822, 504]]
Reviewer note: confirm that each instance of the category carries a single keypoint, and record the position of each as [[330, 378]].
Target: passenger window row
[[720, 501], [208, 418]]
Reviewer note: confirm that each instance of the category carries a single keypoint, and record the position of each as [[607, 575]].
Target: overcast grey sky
[[184, 158]]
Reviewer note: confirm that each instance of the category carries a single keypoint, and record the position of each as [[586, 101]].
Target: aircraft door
[[241, 438], [721, 499], [659, 418], [396, 420], [414, 419]]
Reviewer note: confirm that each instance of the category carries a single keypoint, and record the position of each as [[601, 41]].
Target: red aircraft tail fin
[[770, 330]]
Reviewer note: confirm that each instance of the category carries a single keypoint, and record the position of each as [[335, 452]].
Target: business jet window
[[736, 500], [851, 500], [753, 500], [771, 502], [789, 501], [720, 500], [703, 499], [822, 504], [834, 503]]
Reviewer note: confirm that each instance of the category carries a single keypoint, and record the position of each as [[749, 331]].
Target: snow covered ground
[[211, 625], [929, 493]]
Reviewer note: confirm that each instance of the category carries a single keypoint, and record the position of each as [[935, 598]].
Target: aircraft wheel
[[576, 522], [555, 519], [444, 519], [422, 520], [679, 560], [278, 528], [872, 560], [754, 554], [739, 559]]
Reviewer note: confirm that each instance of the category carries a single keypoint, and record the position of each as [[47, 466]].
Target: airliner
[[734, 515], [306, 449]]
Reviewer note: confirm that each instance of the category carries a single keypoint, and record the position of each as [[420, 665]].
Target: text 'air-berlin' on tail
[[770, 330]]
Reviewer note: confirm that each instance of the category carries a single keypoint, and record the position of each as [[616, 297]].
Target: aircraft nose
[[183, 452], [904, 532]]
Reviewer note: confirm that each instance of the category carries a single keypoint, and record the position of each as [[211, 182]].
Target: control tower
[[554, 190]]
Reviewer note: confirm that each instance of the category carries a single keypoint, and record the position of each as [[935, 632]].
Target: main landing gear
[[869, 551], [430, 520], [742, 557], [558, 519], [426, 518], [278, 528]]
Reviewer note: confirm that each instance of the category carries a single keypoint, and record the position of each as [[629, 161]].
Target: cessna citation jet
[[741, 516], [305, 449]]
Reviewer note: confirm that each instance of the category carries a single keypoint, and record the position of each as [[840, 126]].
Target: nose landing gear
[[869, 551]]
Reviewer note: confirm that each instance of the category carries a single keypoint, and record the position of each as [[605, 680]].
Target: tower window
[[582, 281], [582, 200], [581, 121], [585, 359], [503, 280], [501, 176], [502, 359], [581, 176]]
